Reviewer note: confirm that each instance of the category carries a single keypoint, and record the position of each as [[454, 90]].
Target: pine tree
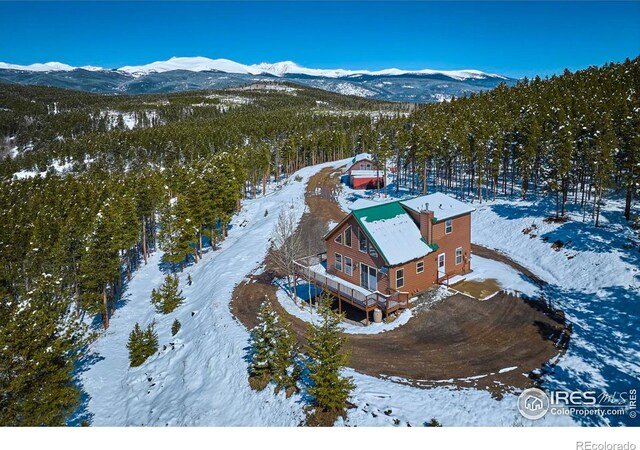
[[167, 298], [330, 390], [142, 344], [177, 231], [286, 371], [100, 265], [39, 346], [175, 327], [263, 345]]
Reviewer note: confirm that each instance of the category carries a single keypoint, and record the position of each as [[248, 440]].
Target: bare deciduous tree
[[286, 244]]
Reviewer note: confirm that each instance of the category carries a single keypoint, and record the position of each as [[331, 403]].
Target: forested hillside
[[572, 136], [87, 178], [92, 184]]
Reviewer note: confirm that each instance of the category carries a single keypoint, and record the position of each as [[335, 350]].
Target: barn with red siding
[[364, 174]]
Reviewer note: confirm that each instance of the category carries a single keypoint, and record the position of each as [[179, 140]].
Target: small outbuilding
[[363, 173]]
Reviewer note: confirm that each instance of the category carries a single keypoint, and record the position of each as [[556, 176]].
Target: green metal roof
[[378, 212], [383, 211]]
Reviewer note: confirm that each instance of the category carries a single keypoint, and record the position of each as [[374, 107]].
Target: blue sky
[[514, 39]]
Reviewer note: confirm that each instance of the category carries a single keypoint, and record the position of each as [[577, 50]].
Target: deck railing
[[373, 299]]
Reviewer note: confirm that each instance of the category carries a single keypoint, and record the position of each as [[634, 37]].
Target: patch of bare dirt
[[478, 289]]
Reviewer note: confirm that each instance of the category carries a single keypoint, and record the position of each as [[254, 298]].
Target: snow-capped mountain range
[[184, 73], [279, 69]]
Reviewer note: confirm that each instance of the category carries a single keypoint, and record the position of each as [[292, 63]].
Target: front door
[[441, 266], [368, 277]]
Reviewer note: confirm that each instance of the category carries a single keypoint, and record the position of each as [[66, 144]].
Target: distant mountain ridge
[[190, 73]]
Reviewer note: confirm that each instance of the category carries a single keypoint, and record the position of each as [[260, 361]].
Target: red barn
[[364, 174]]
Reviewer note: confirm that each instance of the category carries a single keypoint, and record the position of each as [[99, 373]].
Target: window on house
[[399, 278], [420, 267], [339, 239], [448, 226], [339, 262], [362, 238], [368, 166], [373, 252], [347, 236], [348, 266], [459, 255], [361, 166]]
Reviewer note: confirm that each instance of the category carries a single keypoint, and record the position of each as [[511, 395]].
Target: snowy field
[[199, 377]]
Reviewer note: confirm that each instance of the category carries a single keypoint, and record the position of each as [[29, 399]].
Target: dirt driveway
[[493, 344]]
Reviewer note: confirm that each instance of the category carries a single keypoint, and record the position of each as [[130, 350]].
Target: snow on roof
[[367, 202], [366, 173], [359, 157], [393, 232], [443, 206]]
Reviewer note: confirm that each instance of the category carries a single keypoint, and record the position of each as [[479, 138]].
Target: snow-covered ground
[[56, 166], [507, 277], [199, 376], [593, 278], [303, 311]]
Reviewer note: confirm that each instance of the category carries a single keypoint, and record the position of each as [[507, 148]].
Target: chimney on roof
[[426, 224]]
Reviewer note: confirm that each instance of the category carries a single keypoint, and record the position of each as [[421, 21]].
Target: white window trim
[[336, 239], [350, 266], [461, 256], [448, 224], [366, 247], [398, 286], [419, 262], [336, 255], [344, 238]]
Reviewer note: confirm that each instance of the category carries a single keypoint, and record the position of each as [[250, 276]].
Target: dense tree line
[[572, 136]]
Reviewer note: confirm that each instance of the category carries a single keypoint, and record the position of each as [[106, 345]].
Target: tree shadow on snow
[[603, 353], [82, 416]]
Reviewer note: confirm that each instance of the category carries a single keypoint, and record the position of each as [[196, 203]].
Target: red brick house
[[364, 174], [392, 251]]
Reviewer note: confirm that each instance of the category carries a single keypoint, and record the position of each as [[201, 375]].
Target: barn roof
[[367, 173]]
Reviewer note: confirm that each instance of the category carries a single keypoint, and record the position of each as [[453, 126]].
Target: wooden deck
[[312, 270]]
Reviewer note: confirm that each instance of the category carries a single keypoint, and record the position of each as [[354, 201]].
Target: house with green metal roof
[[397, 249]]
